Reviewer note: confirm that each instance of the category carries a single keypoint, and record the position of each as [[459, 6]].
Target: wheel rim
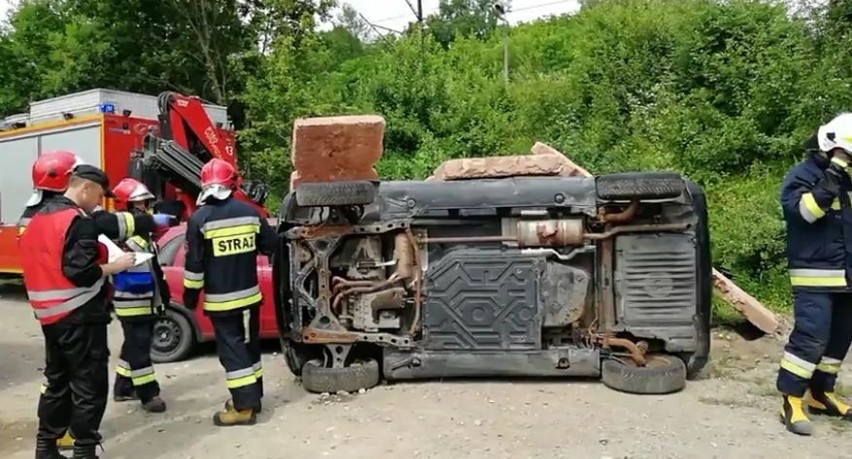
[[167, 336]]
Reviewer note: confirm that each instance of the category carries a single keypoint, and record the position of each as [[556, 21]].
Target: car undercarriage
[[525, 276]]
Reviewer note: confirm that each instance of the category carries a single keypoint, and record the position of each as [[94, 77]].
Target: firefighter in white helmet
[[815, 198]]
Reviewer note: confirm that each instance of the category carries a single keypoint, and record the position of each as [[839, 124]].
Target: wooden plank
[[754, 311]]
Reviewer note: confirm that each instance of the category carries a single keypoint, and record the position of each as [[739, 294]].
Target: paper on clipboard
[[114, 251]]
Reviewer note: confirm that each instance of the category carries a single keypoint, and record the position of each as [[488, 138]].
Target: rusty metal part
[[323, 231], [637, 350], [318, 336], [419, 281], [339, 283], [375, 287], [450, 240], [643, 228], [620, 217], [550, 233], [404, 254]]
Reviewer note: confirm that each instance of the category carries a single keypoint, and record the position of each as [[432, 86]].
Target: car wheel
[[352, 193], [174, 338], [294, 356], [662, 374], [640, 185], [358, 375]]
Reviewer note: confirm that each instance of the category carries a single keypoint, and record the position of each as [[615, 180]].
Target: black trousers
[[135, 370], [77, 373], [238, 346]]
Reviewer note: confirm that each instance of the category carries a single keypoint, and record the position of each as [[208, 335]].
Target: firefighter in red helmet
[[65, 273], [141, 294], [51, 172], [223, 239]]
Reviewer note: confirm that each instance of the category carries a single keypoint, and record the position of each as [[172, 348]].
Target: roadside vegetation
[[725, 92]]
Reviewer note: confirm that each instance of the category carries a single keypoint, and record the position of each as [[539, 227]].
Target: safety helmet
[[129, 190], [837, 133], [218, 180], [51, 172]]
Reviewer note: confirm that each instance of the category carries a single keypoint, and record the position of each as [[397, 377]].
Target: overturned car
[[498, 277]]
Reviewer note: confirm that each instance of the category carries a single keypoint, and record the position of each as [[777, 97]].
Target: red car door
[[268, 322]]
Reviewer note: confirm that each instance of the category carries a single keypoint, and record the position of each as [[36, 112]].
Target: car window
[[170, 250]]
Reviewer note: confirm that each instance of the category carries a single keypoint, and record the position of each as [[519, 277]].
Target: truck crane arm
[[184, 141]]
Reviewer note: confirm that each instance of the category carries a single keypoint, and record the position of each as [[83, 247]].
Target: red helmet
[[52, 170], [129, 190], [218, 172]]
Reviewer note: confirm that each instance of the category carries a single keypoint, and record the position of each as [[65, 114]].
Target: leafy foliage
[[723, 91]]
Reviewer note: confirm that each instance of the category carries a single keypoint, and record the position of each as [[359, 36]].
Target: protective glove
[[160, 310], [165, 293], [165, 220], [190, 298]]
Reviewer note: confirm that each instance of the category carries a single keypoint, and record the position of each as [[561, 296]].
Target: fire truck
[[162, 141]]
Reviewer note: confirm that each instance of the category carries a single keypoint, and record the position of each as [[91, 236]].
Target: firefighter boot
[[829, 404], [66, 442], [85, 452], [234, 417], [155, 405], [229, 405], [47, 450], [793, 416]]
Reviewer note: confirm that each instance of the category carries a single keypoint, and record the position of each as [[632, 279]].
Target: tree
[[463, 18]]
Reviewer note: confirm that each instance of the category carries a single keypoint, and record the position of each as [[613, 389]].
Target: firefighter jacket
[[141, 291], [819, 228], [62, 272], [117, 225], [223, 239]]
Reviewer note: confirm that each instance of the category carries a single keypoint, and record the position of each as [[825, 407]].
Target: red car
[[177, 334]]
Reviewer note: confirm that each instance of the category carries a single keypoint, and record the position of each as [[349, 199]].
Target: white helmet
[[837, 133]]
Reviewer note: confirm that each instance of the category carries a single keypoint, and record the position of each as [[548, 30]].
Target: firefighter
[[50, 174], [815, 197], [65, 273], [223, 239], [141, 294]]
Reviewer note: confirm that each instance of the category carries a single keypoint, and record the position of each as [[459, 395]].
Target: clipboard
[[114, 251]]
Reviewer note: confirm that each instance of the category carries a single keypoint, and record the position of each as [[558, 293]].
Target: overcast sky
[[396, 14]]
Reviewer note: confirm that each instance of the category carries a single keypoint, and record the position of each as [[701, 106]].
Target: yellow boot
[[793, 416], [66, 442], [229, 405], [234, 417], [829, 404]]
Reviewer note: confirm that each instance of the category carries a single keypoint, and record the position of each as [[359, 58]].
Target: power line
[[540, 5]]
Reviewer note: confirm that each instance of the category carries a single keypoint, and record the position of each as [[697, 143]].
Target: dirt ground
[[729, 412]]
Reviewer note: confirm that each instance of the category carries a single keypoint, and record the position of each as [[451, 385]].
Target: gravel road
[[729, 412]]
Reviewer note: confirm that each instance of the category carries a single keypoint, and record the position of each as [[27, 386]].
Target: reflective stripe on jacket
[[137, 304], [52, 295], [223, 240], [819, 228]]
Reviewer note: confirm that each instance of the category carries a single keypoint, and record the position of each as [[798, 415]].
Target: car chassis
[[527, 276]]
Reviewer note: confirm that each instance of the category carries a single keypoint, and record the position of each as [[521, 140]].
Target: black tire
[[359, 375], [640, 185], [663, 374], [295, 356], [174, 338], [335, 194]]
